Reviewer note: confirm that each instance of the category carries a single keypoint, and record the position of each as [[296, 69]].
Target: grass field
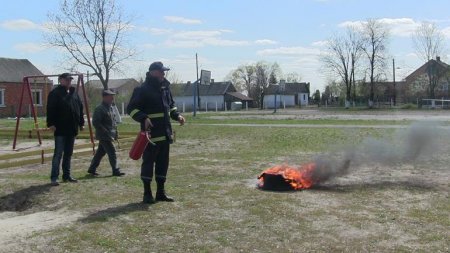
[[377, 207]]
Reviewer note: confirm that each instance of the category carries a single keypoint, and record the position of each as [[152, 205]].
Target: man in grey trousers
[[106, 133]]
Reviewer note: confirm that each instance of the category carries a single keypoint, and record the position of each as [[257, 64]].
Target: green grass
[[212, 175]]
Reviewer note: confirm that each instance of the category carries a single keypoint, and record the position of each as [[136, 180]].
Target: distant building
[[287, 95], [218, 95], [12, 72], [123, 87], [417, 83]]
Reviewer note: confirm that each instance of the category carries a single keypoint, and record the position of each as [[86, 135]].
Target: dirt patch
[[17, 227]]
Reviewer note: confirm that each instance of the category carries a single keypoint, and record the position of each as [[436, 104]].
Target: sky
[[228, 33]]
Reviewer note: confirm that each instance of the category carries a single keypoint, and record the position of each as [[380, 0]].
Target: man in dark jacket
[[152, 105], [106, 133], [64, 118]]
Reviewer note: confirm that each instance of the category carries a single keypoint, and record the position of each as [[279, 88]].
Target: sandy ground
[[15, 226]]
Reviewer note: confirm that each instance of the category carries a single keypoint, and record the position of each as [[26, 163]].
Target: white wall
[[282, 100], [209, 101], [303, 99], [285, 100]]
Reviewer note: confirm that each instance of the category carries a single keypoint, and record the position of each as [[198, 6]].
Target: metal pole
[[275, 103], [86, 106], [33, 111], [195, 86], [395, 89], [19, 112], [194, 91]]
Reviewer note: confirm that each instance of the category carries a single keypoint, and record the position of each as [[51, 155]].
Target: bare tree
[[343, 53], [263, 73], [428, 41], [293, 77], [173, 77], [255, 78], [243, 77], [92, 32], [375, 36]]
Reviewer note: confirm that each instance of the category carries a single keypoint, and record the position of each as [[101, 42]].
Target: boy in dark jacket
[[106, 133], [64, 118]]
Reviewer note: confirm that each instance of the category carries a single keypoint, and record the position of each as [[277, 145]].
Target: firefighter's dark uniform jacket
[[64, 111], [153, 100]]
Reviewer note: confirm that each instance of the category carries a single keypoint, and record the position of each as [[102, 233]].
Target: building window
[[37, 97], [2, 97], [304, 97]]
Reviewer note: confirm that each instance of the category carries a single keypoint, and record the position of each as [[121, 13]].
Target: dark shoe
[[70, 179], [93, 173], [161, 196], [117, 173], [54, 183], [148, 199]]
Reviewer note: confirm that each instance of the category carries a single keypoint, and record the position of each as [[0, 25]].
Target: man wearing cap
[[64, 118], [152, 105], [106, 133]]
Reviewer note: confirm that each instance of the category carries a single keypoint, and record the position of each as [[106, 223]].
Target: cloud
[[403, 27], [155, 31], [446, 32], [29, 47], [265, 42], [183, 43], [196, 35], [201, 38], [19, 25], [181, 20], [148, 45], [289, 51], [320, 43], [205, 42]]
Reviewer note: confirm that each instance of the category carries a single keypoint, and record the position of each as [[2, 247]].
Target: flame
[[298, 178]]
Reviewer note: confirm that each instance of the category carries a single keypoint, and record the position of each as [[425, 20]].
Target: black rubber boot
[[148, 197], [161, 193]]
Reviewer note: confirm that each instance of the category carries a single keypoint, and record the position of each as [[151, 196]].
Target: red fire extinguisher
[[139, 145]]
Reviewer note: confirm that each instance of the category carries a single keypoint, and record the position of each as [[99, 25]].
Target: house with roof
[[213, 96], [418, 81], [12, 72], [122, 87], [286, 95]]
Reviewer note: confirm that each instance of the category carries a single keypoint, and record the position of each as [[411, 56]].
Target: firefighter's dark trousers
[[155, 157]]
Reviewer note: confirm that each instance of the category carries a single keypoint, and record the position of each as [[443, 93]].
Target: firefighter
[[152, 105]]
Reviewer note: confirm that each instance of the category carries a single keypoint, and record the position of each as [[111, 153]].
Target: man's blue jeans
[[64, 150]]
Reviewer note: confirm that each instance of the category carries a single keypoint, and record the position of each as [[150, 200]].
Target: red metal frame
[[26, 85]]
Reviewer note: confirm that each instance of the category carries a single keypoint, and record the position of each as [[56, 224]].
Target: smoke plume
[[405, 146]]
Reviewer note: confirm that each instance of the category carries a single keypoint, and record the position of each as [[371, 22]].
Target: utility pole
[[395, 89], [195, 86]]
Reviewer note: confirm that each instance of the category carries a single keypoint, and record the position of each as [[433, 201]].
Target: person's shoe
[[70, 179], [54, 183], [148, 199], [93, 173], [117, 173], [161, 196]]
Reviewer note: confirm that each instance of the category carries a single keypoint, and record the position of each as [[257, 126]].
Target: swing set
[[26, 87]]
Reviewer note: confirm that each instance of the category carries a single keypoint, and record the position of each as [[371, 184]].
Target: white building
[[287, 95], [214, 96]]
